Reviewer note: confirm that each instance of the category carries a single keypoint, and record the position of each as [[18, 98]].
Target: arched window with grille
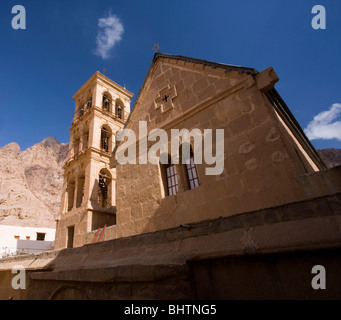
[[190, 167], [172, 179], [169, 177]]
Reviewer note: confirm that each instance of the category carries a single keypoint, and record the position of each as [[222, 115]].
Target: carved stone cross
[[164, 101]]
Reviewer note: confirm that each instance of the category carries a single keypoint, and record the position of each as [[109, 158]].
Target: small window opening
[[40, 236], [70, 236]]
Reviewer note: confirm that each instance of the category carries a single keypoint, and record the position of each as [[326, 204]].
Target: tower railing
[[84, 110]]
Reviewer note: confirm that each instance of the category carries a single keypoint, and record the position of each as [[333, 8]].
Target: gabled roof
[[214, 65], [227, 67], [272, 95]]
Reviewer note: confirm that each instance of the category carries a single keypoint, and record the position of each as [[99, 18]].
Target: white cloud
[[324, 125], [109, 34]]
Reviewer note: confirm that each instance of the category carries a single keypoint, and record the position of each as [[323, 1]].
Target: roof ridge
[[228, 67]]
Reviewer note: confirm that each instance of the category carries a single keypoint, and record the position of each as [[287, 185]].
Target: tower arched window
[[80, 189], [119, 110], [104, 193], [106, 103], [70, 193], [106, 139]]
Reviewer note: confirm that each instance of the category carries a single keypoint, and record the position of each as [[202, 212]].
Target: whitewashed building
[[20, 240]]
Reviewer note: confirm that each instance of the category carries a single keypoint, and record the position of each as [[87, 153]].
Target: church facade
[[263, 148]]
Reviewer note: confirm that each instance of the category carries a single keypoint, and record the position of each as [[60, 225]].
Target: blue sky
[[42, 66]]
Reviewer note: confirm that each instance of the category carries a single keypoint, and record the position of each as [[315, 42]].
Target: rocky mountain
[[331, 156], [31, 183]]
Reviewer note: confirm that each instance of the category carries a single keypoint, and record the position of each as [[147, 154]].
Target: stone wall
[[279, 245], [261, 158]]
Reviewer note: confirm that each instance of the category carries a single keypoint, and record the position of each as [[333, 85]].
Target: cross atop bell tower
[[88, 200]]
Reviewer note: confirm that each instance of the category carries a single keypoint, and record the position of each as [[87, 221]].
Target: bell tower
[[88, 199]]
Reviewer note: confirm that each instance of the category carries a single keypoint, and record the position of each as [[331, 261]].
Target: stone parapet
[[144, 263]]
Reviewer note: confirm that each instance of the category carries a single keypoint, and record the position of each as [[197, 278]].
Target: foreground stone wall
[[267, 277], [264, 254]]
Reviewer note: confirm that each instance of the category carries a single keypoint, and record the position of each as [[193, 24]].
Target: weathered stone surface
[[261, 165], [30, 183], [164, 264]]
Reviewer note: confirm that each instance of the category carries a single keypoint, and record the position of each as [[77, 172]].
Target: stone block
[[266, 79], [245, 93], [296, 211], [240, 124], [187, 78], [206, 93], [334, 204], [199, 85]]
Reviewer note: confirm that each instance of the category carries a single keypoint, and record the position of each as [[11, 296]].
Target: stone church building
[[167, 229]]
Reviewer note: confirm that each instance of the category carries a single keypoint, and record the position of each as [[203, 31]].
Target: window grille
[[192, 173], [172, 179]]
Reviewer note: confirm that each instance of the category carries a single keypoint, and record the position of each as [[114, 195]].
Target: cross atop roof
[[156, 47]]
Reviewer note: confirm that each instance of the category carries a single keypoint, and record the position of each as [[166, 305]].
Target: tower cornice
[[97, 77]]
